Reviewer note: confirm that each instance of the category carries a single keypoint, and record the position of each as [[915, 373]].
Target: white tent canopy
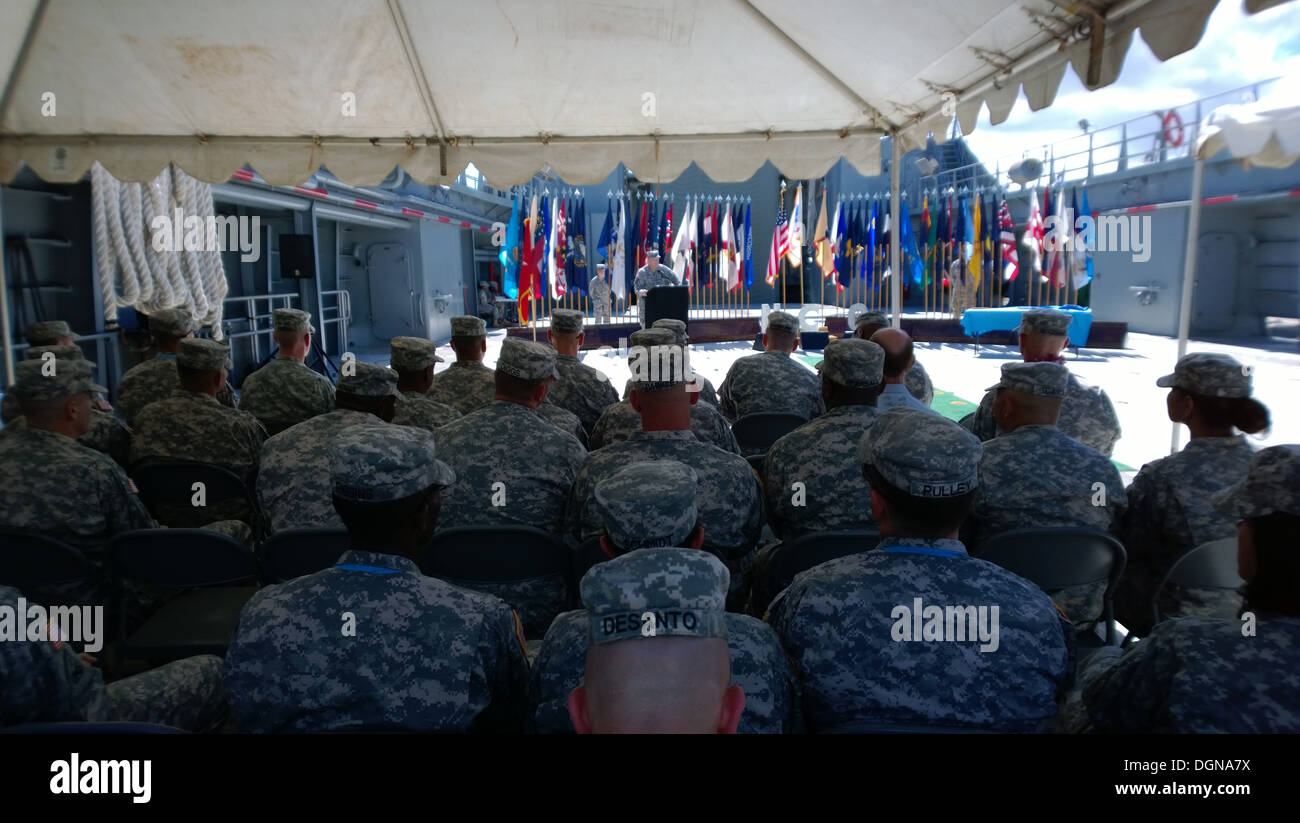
[[362, 86], [1265, 133]]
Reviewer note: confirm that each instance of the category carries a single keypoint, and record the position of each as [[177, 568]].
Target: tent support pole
[[6, 335], [895, 281], [1189, 275]]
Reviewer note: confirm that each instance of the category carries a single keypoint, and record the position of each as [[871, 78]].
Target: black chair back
[[802, 554], [1211, 565], [92, 727], [1056, 558], [29, 560], [587, 555], [181, 558], [297, 552], [167, 491], [757, 432]]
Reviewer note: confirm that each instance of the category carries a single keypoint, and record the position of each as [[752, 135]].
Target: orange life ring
[[1172, 121]]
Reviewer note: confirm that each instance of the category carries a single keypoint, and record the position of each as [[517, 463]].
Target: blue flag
[[842, 245], [911, 257], [606, 233], [1084, 211], [869, 259], [547, 251], [512, 250], [749, 250]]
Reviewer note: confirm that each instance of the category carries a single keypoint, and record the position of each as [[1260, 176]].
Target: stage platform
[[713, 326]]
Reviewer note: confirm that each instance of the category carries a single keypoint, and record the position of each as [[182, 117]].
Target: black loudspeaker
[[666, 302], [297, 257]]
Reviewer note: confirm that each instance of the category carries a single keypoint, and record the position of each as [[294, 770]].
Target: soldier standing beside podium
[[649, 276], [598, 289]]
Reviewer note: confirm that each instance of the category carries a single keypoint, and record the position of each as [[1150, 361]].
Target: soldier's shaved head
[[658, 685], [293, 344], [898, 351], [1035, 346]]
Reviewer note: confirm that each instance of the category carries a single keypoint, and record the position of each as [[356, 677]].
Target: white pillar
[[1189, 276]]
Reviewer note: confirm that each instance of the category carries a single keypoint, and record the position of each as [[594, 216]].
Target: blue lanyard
[[930, 550], [357, 567]]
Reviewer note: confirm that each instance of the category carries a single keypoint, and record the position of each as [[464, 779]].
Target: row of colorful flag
[[546, 251]]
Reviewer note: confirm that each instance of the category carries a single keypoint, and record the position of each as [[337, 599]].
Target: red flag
[[1010, 256], [664, 252], [1053, 268], [1035, 232], [641, 247]]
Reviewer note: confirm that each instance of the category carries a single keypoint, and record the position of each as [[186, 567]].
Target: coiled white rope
[[132, 272]]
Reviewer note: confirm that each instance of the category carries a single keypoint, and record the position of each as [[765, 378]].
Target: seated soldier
[[652, 506], [620, 421], [372, 642], [1034, 475], [293, 486], [580, 389], [106, 434], [466, 384], [42, 681], [287, 391], [898, 368], [771, 381], [192, 425], [902, 635], [707, 393], [1170, 508], [1197, 675], [657, 655], [413, 359], [156, 379]]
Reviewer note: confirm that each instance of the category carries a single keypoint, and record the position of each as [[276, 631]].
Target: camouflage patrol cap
[[412, 353], [921, 453], [202, 354], [40, 380], [647, 505], [566, 321], [464, 325], [376, 462], [660, 366], [47, 332], [482, 284], [677, 327], [526, 360], [59, 352], [653, 251], [1210, 375], [1052, 322], [871, 318], [368, 380], [656, 593], [783, 322], [853, 363], [645, 338], [292, 320], [172, 323], [600, 266], [1038, 379], [1272, 484]]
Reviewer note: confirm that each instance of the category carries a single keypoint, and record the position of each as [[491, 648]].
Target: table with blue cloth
[[978, 321]]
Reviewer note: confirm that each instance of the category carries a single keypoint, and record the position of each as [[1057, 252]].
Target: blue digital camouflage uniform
[[918, 384], [286, 392], [465, 385], [620, 420], [649, 277], [1036, 476], [769, 382], [822, 455], [729, 500], [1170, 513], [426, 655], [1087, 415], [1198, 675], [758, 665], [563, 419], [838, 620], [41, 682]]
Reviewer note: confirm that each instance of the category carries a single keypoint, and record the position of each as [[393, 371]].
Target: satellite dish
[[927, 166], [1026, 171]]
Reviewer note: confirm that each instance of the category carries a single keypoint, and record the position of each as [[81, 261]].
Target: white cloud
[[1237, 50]]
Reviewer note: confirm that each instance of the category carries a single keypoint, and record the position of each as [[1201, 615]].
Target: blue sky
[[1237, 50]]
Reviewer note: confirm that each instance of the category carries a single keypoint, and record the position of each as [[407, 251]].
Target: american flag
[[780, 243], [1010, 257]]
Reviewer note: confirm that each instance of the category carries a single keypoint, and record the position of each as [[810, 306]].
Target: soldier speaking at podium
[[649, 276]]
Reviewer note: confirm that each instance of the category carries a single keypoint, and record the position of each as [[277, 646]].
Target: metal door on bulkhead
[[393, 296], [1214, 300]]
